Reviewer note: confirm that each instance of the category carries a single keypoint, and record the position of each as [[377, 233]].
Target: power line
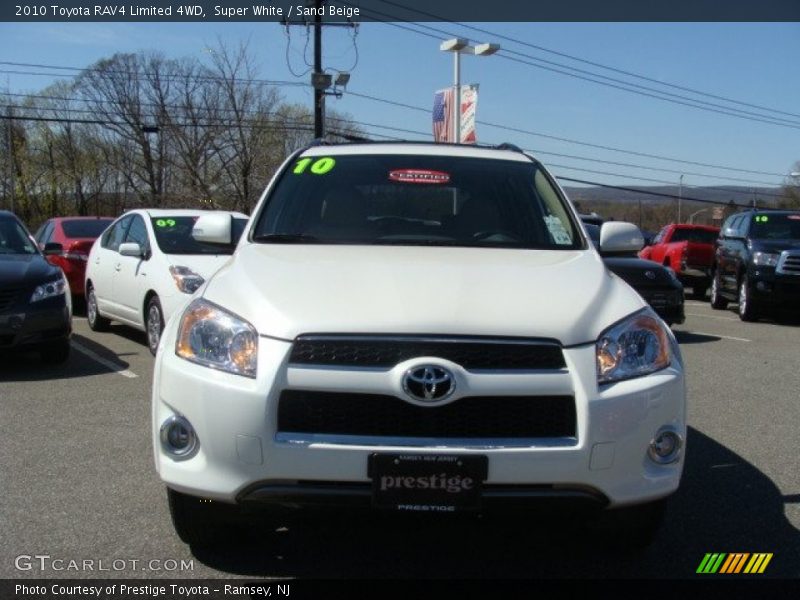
[[427, 111], [592, 63], [617, 83]]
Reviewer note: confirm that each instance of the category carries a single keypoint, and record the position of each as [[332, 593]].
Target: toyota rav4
[[418, 328]]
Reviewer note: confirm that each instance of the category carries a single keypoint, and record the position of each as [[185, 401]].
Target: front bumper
[[768, 288], [241, 456], [31, 325]]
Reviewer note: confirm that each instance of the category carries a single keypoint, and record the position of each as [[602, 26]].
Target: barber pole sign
[[469, 103]]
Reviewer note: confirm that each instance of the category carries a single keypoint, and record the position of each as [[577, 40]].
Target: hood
[[774, 246], [635, 270], [18, 270], [204, 265], [288, 290]]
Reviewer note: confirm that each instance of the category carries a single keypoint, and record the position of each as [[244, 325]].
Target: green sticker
[[762, 219], [165, 223], [161, 223], [321, 166]]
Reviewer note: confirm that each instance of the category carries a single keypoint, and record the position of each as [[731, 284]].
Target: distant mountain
[[743, 196]]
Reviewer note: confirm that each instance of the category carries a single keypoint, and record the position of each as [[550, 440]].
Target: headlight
[[765, 259], [636, 346], [187, 280], [213, 337], [50, 289]]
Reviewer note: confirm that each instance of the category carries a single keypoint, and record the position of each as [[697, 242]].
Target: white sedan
[[147, 264]]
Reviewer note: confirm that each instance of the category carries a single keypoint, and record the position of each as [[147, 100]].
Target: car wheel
[[199, 522], [747, 308], [717, 301], [631, 527], [55, 354], [96, 321], [154, 322]]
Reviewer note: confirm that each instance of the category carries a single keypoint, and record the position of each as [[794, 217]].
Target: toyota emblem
[[429, 383]]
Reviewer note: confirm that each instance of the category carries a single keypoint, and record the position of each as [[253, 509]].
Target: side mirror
[[214, 228], [730, 232], [131, 249], [618, 237], [52, 249]]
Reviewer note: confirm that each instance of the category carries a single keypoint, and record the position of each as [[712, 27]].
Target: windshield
[[85, 228], [700, 236], [174, 236], [417, 200], [14, 239], [776, 227]]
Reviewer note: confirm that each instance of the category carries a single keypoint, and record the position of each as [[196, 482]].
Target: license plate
[[427, 483]]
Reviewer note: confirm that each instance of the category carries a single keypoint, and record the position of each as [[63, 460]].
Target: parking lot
[[78, 481]]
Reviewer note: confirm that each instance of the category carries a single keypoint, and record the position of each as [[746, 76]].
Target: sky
[[753, 63]]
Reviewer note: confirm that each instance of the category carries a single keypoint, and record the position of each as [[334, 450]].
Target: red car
[[688, 250], [76, 236]]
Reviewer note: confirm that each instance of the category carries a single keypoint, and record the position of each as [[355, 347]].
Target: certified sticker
[[419, 176]]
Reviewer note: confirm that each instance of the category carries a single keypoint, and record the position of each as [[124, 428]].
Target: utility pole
[[319, 94], [12, 187], [320, 80]]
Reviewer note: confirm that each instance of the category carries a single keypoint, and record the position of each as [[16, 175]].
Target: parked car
[[688, 250], [147, 264], [35, 306], [417, 328], [76, 236], [656, 283], [757, 263]]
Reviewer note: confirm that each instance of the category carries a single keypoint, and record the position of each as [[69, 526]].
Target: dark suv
[[757, 262]]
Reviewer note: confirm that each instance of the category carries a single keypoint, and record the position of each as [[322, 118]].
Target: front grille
[[8, 297], [789, 263], [470, 353], [334, 413]]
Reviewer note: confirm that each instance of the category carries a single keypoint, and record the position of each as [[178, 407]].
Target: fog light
[[665, 447], [178, 437]]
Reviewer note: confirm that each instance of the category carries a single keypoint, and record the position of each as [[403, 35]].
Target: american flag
[[443, 116]]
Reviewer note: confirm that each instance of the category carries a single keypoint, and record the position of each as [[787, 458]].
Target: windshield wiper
[[286, 238]]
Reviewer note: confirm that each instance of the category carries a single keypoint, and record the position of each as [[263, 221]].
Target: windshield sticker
[[419, 176], [321, 166], [556, 229], [762, 218], [165, 223]]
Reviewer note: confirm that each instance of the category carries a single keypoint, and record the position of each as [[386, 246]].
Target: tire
[[717, 301], [632, 527], [56, 353], [154, 323], [747, 308], [199, 522], [97, 322]]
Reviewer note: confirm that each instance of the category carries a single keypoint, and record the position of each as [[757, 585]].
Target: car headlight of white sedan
[[636, 346], [211, 336]]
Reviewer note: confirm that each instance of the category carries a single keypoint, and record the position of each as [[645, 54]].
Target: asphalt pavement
[[78, 482]]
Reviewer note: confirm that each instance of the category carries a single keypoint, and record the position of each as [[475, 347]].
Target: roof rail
[[507, 146]]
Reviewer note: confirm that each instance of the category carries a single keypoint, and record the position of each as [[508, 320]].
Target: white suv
[[147, 264], [418, 328]]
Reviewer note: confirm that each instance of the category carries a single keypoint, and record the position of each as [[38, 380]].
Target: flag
[[443, 104], [443, 116], [469, 104]]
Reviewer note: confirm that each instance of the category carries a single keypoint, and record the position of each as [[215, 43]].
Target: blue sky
[[754, 63]]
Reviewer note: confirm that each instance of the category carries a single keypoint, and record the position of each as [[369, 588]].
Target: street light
[[694, 214], [459, 46]]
